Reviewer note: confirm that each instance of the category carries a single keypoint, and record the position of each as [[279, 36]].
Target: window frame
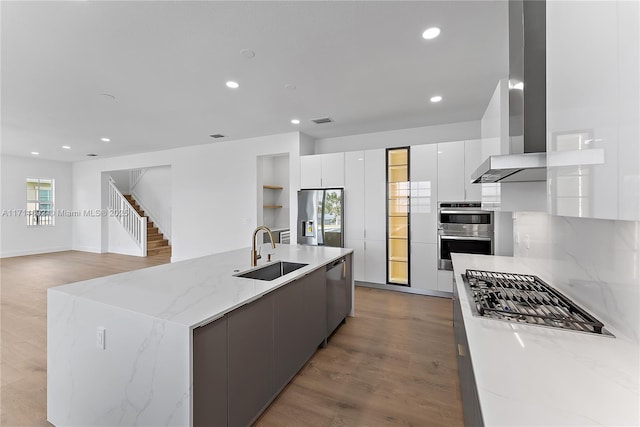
[[50, 218]]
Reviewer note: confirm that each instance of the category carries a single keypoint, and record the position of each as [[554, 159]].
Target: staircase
[[156, 243]]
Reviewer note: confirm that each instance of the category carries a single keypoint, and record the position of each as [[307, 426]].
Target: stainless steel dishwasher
[[336, 280]]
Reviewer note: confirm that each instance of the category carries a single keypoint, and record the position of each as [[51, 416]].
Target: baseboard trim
[[12, 254], [91, 249], [405, 289]]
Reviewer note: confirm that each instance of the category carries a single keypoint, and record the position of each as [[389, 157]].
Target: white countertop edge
[[534, 375], [105, 289]]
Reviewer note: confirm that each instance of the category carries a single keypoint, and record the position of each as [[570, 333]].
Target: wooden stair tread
[[156, 243], [164, 250]]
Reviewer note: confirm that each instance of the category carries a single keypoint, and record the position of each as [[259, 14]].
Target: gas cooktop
[[526, 299]]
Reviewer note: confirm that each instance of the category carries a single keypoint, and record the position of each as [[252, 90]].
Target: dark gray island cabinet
[[190, 343], [243, 360]]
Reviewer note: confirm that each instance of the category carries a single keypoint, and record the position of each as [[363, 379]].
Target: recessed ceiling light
[[431, 33], [247, 53], [436, 98], [232, 85], [290, 86], [35, 153], [105, 139], [66, 147], [295, 121]]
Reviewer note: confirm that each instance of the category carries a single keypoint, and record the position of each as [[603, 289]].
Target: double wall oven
[[463, 227]]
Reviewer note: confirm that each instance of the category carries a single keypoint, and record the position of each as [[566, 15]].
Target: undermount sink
[[272, 271]]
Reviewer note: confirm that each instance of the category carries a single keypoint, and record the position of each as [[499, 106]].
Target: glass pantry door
[[398, 187]]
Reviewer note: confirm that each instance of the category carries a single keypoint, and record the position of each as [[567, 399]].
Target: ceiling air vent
[[217, 135], [322, 120], [92, 155]]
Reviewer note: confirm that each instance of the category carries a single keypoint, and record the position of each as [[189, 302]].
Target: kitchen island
[[521, 374], [187, 343]]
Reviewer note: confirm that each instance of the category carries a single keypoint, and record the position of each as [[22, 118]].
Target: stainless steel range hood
[[527, 98]]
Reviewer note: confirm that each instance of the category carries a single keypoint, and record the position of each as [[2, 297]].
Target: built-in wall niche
[[273, 192]]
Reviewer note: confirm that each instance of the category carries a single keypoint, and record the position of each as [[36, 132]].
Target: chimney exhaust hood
[[527, 99]]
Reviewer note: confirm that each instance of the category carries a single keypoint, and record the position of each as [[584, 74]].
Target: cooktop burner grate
[[526, 299]]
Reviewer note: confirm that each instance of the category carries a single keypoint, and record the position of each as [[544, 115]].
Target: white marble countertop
[[196, 291], [531, 375]]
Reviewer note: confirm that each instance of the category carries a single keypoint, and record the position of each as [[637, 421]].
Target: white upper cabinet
[[472, 159], [364, 210], [451, 171], [375, 193], [423, 171], [333, 170], [354, 195], [593, 97], [310, 172], [322, 170]]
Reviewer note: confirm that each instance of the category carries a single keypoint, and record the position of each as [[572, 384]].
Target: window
[[40, 199]]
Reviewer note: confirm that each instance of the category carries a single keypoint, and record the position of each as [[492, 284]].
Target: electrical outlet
[[100, 338], [517, 238], [527, 241]]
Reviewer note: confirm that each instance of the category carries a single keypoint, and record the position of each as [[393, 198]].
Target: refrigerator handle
[[323, 204]]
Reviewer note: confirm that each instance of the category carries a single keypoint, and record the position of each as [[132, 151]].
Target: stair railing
[[134, 223]]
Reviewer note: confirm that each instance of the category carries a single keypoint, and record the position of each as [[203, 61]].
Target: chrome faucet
[[254, 252]]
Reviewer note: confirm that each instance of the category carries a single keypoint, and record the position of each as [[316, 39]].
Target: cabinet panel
[[332, 169], [358, 258], [290, 329], [375, 261], [424, 266], [349, 274], [445, 280], [473, 157], [315, 304], [375, 195], [451, 171], [250, 340], [354, 196], [592, 109], [468, 388], [210, 374], [310, 172], [629, 124], [336, 281], [424, 189]]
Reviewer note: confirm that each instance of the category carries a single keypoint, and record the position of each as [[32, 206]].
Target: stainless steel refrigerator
[[321, 217]]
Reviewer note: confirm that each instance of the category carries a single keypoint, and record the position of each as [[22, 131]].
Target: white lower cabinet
[[358, 258], [424, 266], [375, 265], [445, 280]]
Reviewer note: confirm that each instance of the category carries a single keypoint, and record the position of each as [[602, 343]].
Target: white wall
[[153, 192], [595, 262], [399, 138], [119, 240], [16, 238], [121, 179], [214, 192]]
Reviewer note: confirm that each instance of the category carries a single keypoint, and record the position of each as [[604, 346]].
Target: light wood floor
[[394, 364], [23, 323]]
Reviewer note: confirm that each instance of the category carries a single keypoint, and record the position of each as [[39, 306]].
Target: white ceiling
[[364, 64]]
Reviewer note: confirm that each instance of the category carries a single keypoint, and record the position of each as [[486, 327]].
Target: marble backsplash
[[595, 262]]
